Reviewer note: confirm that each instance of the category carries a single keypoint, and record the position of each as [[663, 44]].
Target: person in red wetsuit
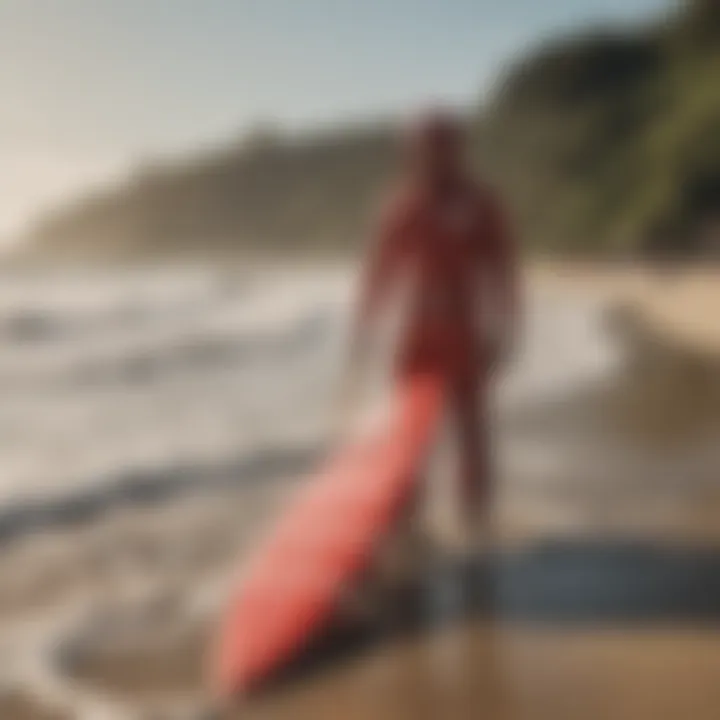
[[446, 232]]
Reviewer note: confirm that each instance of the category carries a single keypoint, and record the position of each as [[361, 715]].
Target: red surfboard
[[323, 543]]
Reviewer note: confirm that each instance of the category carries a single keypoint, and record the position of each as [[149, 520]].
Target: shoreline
[[122, 604]]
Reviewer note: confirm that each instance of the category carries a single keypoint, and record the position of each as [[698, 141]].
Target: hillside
[[604, 144], [611, 142], [269, 193]]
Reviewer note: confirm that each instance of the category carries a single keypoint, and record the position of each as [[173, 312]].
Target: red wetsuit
[[455, 247]]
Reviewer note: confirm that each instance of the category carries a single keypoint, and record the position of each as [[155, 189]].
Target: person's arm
[[378, 277], [380, 272], [503, 278]]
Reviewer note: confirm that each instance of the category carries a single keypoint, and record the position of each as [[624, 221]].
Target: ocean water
[[135, 375], [148, 421]]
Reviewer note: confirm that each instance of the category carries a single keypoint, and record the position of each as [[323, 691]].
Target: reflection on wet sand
[[522, 675], [586, 629]]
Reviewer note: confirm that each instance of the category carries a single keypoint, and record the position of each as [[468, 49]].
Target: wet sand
[[602, 599], [562, 623], [561, 629], [19, 707]]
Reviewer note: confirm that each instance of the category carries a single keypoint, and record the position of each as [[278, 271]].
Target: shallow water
[[154, 422]]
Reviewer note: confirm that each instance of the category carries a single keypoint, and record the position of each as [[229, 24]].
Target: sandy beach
[[151, 435]]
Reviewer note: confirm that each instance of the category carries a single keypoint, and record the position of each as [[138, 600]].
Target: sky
[[90, 88]]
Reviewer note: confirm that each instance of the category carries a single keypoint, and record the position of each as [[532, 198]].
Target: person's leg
[[470, 420], [405, 550]]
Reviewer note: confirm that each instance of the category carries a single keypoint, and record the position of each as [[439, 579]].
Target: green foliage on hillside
[[611, 143], [604, 144]]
